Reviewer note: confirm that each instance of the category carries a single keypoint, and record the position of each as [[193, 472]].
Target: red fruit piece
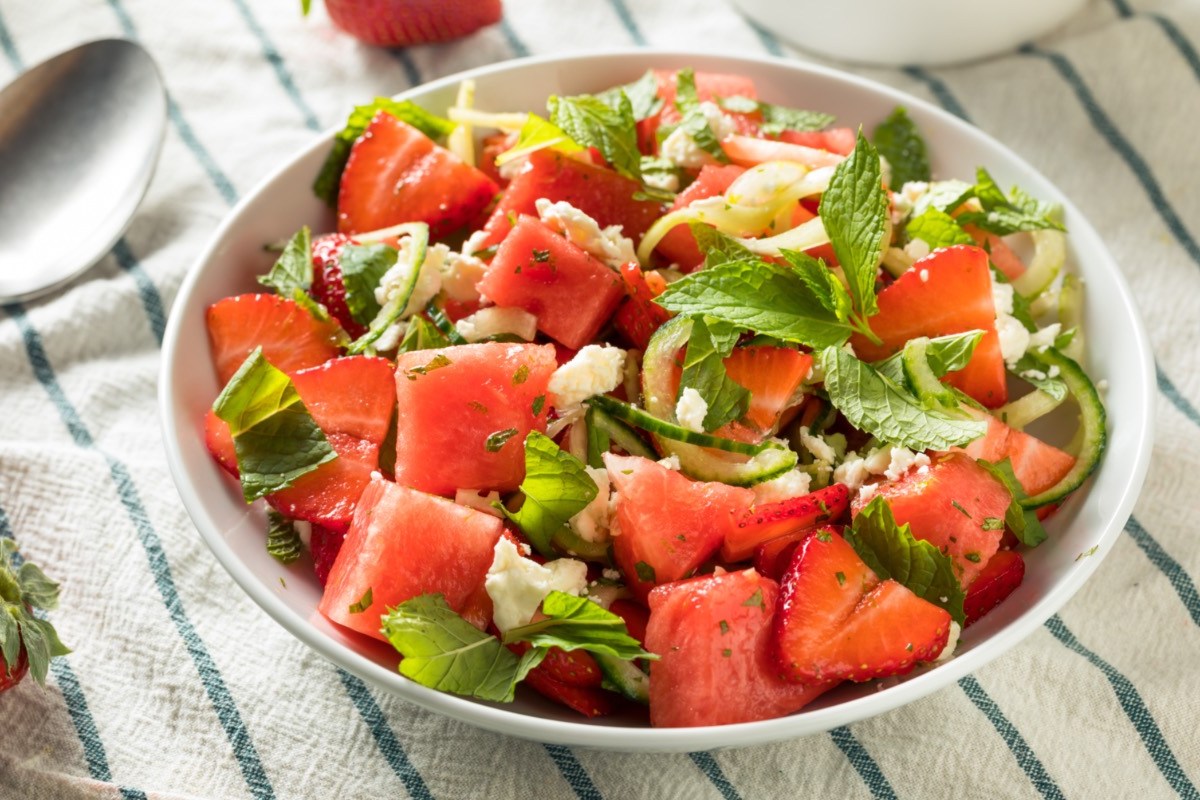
[[669, 525], [837, 621], [679, 246], [327, 286], [11, 677], [772, 558], [1000, 578], [835, 140], [712, 634], [768, 521], [397, 174], [400, 23], [639, 316], [773, 375], [589, 701], [1037, 465], [324, 545], [291, 338], [749, 151], [635, 615], [493, 146], [219, 442]]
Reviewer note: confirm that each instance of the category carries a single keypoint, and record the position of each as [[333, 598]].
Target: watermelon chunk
[[1037, 465], [679, 246], [571, 294], [451, 400], [404, 543], [291, 338]]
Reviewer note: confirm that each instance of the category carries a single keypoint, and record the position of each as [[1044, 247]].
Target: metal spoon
[[80, 135]]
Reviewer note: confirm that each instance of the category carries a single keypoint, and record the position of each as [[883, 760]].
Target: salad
[[668, 398]]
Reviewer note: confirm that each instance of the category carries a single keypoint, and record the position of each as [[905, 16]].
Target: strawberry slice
[[837, 621], [291, 338], [772, 558], [773, 375], [400, 23], [219, 442], [589, 701], [1000, 578], [325, 544], [397, 174], [768, 521], [639, 316], [327, 286]]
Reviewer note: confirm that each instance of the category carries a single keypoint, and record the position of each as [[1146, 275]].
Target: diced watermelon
[[493, 146], [291, 338], [955, 295], [669, 525], [1037, 465], [451, 400], [711, 86], [773, 375], [835, 140], [956, 505], [325, 545], [713, 635], [406, 543], [598, 192], [639, 316], [397, 174], [570, 292], [679, 246]]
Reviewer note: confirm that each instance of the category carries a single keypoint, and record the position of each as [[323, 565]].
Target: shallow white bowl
[[283, 202]]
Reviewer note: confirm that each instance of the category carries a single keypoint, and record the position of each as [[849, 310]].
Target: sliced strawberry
[[219, 442], [325, 544], [639, 316], [591, 702], [574, 668], [837, 621], [1000, 578], [635, 615], [397, 174], [767, 521], [400, 23], [10, 676], [773, 557], [327, 286], [291, 338], [1003, 257], [1037, 465], [773, 375]]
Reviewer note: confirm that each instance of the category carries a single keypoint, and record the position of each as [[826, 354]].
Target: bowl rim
[[647, 739]]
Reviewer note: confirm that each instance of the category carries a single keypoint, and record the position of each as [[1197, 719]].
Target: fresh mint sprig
[[709, 343], [899, 141], [576, 623], [1023, 522], [556, 488]]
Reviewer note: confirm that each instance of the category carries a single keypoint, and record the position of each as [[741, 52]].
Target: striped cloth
[[180, 687]]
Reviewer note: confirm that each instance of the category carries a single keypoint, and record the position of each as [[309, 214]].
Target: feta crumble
[[591, 523], [518, 585], [819, 448], [304, 531], [667, 181], [461, 273], [916, 250], [890, 462], [594, 370], [670, 462], [429, 279], [691, 410], [681, 148], [788, 485], [606, 244]]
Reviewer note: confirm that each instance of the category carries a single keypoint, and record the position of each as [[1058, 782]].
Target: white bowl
[[283, 202], [892, 33]]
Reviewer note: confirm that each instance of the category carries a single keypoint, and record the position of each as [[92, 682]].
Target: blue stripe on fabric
[[1135, 708], [1108, 129], [766, 38], [1026, 758], [77, 707], [151, 299], [1176, 397], [712, 770], [10, 47], [214, 684], [939, 90], [385, 738], [515, 44], [1175, 573], [1172, 32], [628, 22], [863, 764], [271, 54], [573, 772], [411, 73]]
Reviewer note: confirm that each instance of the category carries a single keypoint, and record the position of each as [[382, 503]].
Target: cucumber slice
[[619, 434], [921, 377], [1049, 255], [392, 312], [661, 429], [1025, 410], [443, 324], [1093, 435], [571, 543], [1070, 314], [623, 677]]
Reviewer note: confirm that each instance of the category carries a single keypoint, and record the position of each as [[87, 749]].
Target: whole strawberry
[[26, 642], [400, 23]]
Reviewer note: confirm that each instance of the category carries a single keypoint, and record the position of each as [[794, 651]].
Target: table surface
[[180, 687]]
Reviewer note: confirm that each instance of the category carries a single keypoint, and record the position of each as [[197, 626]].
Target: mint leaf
[[693, 121], [363, 267], [944, 196], [538, 134], [880, 407], [397, 302], [556, 488], [891, 551], [611, 129], [274, 437], [292, 272], [717, 247], [642, 93], [445, 652], [854, 209], [704, 370], [363, 603], [10, 637], [1023, 522], [764, 297], [1029, 368], [824, 285], [329, 178], [945, 354], [899, 141], [576, 623], [777, 119], [283, 542], [422, 335], [937, 229], [497, 440], [1004, 214]]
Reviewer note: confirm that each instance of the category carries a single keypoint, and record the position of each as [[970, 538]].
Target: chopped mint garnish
[[556, 488], [576, 623], [901, 144], [283, 542]]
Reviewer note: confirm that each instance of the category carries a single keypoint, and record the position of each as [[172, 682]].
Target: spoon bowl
[[80, 136]]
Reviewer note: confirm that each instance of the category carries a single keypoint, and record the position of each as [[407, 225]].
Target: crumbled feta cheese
[[495, 320], [607, 244], [667, 181], [1044, 337], [518, 585], [788, 485], [902, 460], [867, 492], [924, 275], [681, 148], [917, 249], [1034, 374], [670, 462], [475, 242], [852, 472], [610, 574], [591, 523], [819, 448], [460, 275], [1053, 371], [1014, 339], [429, 279], [951, 644], [304, 531], [890, 462], [594, 370], [390, 338], [1002, 297], [472, 499], [691, 410]]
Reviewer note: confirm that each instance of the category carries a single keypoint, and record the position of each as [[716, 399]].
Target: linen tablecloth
[[179, 686]]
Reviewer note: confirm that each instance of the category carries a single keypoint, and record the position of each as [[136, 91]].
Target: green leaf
[[824, 285], [717, 247], [937, 229], [611, 129], [37, 590], [397, 303], [692, 119], [854, 209], [1028, 367], [538, 134], [274, 437], [576, 623], [777, 119], [944, 196], [363, 603], [704, 370], [41, 644], [329, 178], [363, 267], [642, 93], [891, 551], [283, 542], [497, 440], [10, 636], [901, 144], [1004, 214], [945, 354], [879, 406], [292, 272], [445, 652], [765, 298], [1023, 522], [422, 335], [556, 488]]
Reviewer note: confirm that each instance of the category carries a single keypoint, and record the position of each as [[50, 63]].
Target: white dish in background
[[283, 202], [892, 33]]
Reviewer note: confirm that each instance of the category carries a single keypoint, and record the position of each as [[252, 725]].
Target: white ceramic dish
[[283, 202]]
